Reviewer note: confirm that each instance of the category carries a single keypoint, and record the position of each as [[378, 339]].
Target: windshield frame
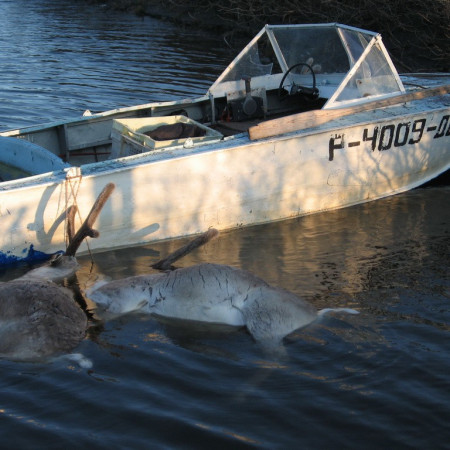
[[331, 85]]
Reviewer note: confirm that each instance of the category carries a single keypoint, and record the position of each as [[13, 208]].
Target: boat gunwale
[[235, 142]]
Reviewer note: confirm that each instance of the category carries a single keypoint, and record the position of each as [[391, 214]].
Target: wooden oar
[[309, 119]]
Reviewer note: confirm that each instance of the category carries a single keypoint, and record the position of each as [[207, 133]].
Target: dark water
[[59, 58], [380, 379]]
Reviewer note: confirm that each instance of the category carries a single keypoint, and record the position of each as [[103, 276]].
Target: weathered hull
[[232, 183]]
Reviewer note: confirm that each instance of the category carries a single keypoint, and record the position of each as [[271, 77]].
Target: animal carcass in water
[[38, 319], [210, 293]]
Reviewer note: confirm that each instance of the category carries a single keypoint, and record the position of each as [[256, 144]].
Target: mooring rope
[[73, 175]]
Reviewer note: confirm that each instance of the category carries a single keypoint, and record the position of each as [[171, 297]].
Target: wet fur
[[210, 293], [38, 319]]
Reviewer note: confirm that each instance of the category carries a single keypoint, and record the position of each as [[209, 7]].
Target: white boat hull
[[234, 183]]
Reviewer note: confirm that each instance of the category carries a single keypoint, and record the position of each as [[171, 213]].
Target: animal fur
[[210, 293], [38, 319]]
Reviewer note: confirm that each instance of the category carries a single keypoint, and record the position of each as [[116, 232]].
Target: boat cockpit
[[295, 68]]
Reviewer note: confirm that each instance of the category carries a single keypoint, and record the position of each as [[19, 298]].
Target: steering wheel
[[309, 92]]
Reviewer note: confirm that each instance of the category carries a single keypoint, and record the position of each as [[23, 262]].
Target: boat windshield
[[350, 65]]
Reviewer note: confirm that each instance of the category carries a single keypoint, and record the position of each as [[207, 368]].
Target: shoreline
[[415, 32]]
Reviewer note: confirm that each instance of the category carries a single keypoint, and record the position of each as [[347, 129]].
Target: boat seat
[[28, 157]]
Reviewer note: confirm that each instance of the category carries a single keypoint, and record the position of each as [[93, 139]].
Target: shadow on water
[[441, 180]]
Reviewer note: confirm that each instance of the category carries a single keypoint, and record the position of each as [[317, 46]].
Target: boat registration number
[[388, 136]]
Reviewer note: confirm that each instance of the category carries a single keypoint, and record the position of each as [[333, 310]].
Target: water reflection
[[330, 258]]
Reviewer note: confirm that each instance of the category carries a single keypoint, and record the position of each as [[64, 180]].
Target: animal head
[[125, 295], [56, 269]]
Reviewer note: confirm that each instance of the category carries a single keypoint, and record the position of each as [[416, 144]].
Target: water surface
[[58, 59]]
